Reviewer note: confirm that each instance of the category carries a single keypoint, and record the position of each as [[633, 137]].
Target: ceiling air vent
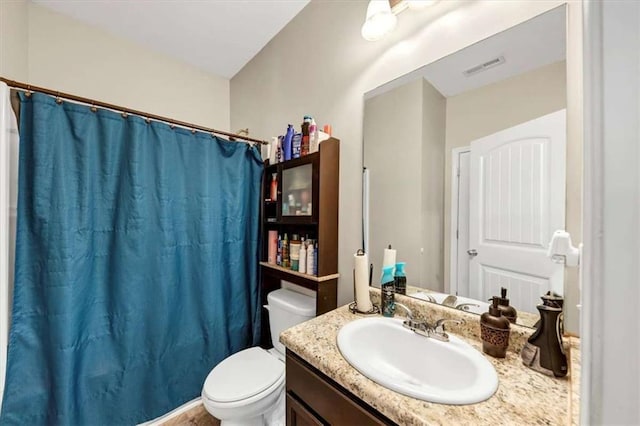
[[485, 66]]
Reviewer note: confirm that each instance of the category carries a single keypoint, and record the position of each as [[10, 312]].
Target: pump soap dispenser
[[494, 331], [503, 304], [543, 351]]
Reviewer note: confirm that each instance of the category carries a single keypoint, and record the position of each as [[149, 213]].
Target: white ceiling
[[535, 43], [219, 36]]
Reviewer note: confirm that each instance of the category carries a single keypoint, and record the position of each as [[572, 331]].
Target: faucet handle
[[438, 327]]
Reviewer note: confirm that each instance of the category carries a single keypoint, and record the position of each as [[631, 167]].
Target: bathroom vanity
[[323, 388]]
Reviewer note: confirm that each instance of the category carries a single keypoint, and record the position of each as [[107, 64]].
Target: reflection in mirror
[[465, 170]]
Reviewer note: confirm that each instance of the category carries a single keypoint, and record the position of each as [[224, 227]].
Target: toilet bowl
[[247, 388]]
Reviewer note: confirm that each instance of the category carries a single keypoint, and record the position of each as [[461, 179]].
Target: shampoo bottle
[[400, 279], [279, 253], [315, 259], [387, 292], [285, 252], [302, 262], [287, 143], [304, 148], [310, 258], [296, 145], [313, 137]]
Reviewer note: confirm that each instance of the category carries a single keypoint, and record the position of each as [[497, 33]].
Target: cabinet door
[[297, 415], [299, 195]]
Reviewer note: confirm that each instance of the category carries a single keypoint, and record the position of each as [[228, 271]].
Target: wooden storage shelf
[[298, 274], [319, 174]]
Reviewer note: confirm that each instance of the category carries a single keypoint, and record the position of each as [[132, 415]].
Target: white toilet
[[247, 388]]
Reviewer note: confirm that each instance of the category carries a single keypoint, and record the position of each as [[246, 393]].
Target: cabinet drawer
[[298, 415], [331, 403]]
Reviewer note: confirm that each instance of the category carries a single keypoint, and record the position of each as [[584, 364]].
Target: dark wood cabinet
[[315, 399], [306, 205]]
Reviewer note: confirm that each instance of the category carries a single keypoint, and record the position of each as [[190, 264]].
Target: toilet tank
[[286, 309]]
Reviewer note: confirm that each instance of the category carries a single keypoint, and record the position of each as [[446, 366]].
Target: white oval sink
[[450, 372]]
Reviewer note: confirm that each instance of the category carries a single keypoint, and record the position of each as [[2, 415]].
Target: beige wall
[[432, 218], [393, 135], [14, 40], [320, 65], [48, 49]]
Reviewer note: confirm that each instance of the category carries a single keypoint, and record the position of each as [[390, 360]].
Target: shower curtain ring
[[58, 100], [93, 108], [147, 120], [124, 114]]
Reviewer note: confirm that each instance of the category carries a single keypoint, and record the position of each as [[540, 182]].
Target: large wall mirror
[[465, 170]]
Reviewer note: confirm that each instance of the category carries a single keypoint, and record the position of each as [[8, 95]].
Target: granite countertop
[[524, 396]]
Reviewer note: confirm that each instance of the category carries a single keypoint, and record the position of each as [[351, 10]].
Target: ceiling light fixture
[[381, 16], [380, 20]]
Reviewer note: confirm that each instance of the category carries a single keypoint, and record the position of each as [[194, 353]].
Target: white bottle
[[310, 259], [302, 263], [313, 137]]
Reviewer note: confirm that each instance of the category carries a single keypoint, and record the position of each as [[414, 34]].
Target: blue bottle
[[287, 145], [387, 292], [400, 278]]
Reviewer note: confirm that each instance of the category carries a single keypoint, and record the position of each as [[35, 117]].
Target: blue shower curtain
[[136, 265]]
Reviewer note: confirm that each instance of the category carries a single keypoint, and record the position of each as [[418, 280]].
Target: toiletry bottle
[[544, 351], [302, 263], [273, 150], [400, 279], [327, 129], [313, 137], [310, 258], [315, 259], [279, 254], [288, 140], [285, 252], [387, 292], [273, 193], [294, 252], [304, 148], [494, 331], [280, 152], [296, 144], [508, 311]]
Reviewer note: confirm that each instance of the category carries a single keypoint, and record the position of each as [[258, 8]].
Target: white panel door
[[462, 258], [517, 200]]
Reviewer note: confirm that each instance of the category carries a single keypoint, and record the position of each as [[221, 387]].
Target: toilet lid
[[243, 375]]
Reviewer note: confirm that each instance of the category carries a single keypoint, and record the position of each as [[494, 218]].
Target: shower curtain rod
[[94, 103]]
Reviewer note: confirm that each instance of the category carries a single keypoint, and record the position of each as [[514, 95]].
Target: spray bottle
[[287, 144], [387, 292]]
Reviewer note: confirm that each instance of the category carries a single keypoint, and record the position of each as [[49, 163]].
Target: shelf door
[[298, 198]]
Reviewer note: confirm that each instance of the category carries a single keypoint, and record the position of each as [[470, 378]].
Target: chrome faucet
[[423, 328], [411, 322]]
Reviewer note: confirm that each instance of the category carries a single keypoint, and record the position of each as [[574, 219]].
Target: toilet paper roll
[[389, 259], [273, 247], [361, 277]]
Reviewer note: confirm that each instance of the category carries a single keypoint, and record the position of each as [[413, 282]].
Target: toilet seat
[[243, 377]]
